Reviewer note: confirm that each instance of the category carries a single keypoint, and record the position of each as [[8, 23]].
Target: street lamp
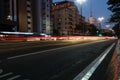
[[100, 19], [8, 17], [81, 2]]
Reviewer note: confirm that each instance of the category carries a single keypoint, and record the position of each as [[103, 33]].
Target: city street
[[50, 60], [59, 39]]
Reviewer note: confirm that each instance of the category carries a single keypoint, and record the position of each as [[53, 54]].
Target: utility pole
[[81, 3]]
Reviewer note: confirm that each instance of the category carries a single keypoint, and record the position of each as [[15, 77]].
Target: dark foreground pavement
[[49, 63]]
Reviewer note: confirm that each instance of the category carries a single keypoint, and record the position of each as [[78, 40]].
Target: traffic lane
[[25, 44], [7, 45], [107, 69], [61, 64], [18, 44], [29, 47]]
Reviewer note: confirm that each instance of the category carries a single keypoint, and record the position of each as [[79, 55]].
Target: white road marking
[[7, 74], [1, 71], [34, 53], [89, 70], [14, 77]]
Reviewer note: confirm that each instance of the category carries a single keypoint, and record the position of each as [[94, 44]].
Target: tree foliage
[[114, 7], [117, 30]]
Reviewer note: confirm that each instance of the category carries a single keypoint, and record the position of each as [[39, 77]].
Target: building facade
[[94, 22], [6, 23], [30, 15], [65, 18], [41, 13], [4, 9]]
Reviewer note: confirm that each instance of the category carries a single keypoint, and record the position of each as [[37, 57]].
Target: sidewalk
[[118, 52]]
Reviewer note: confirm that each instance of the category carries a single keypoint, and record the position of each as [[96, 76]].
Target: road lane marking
[[89, 70], [1, 71], [34, 53], [14, 77], [7, 74]]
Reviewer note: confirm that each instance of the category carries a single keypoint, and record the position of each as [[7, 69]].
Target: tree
[[114, 7], [117, 30]]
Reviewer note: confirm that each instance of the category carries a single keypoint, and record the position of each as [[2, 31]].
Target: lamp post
[[81, 2]]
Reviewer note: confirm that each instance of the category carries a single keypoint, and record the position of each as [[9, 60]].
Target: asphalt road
[[20, 61]]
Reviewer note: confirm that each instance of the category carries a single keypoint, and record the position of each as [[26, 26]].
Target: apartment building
[[30, 15], [65, 18]]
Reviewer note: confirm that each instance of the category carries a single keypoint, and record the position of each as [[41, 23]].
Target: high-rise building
[[6, 23], [16, 11], [30, 15], [4, 9], [41, 16]]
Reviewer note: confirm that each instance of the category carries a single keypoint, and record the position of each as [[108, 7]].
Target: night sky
[[99, 9]]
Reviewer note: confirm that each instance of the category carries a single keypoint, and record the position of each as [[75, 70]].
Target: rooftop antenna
[[91, 13]]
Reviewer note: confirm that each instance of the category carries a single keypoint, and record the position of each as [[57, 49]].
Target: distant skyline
[[99, 9]]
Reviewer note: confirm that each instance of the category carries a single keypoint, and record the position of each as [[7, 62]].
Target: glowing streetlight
[[80, 1], [8, 17], [100, 19]]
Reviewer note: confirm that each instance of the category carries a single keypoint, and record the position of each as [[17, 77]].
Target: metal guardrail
[[90, 69]]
